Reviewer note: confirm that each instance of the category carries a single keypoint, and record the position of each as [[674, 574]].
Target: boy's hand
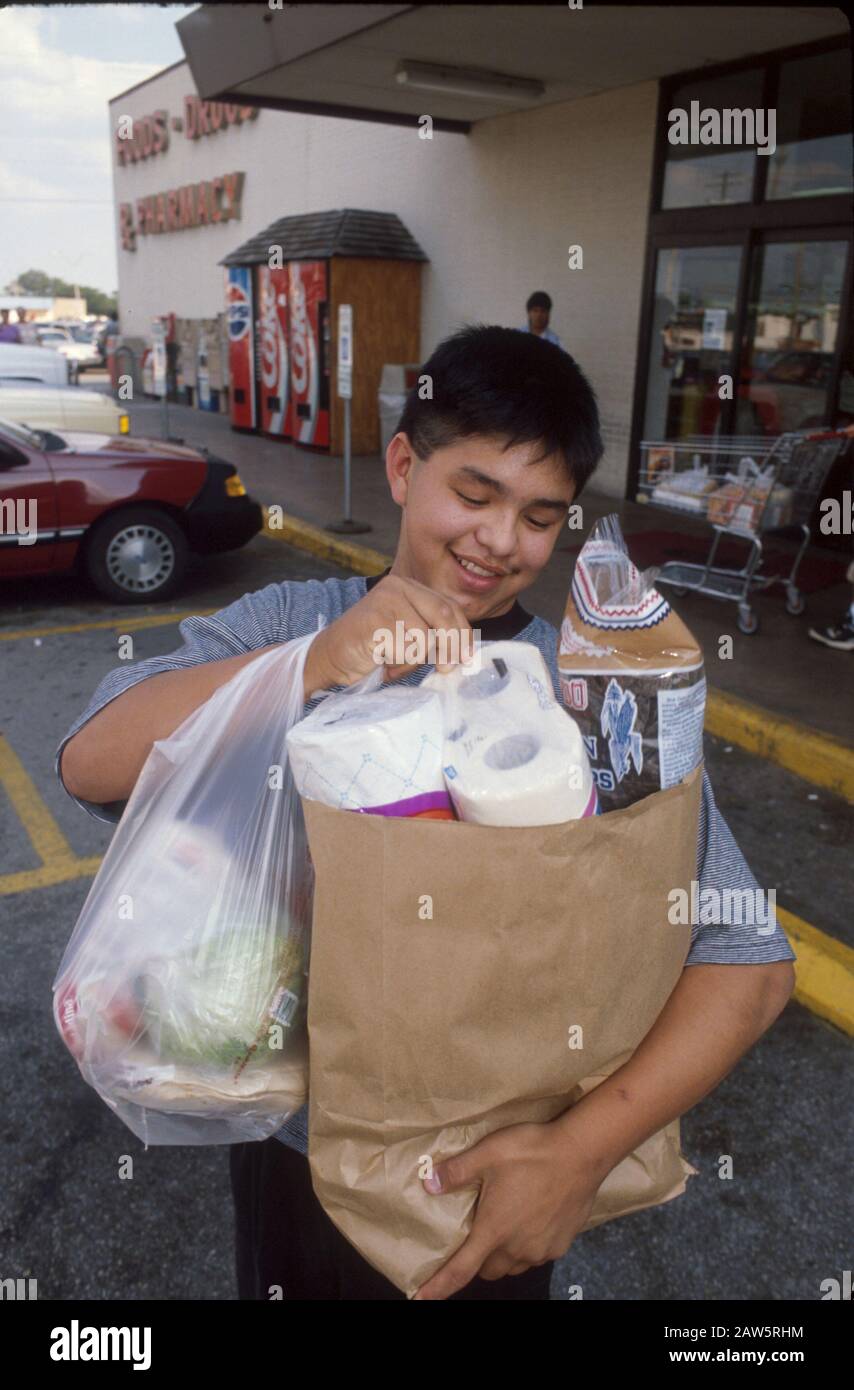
[[536, 1192], [343, 653]]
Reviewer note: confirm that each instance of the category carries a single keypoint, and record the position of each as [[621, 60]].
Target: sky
[[59, 66]]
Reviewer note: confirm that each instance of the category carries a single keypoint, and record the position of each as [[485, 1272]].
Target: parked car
[[79, 355], [126, 512], [61, 408], [20, 363]]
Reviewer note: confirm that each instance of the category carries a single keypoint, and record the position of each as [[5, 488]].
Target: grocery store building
[[516, 149]]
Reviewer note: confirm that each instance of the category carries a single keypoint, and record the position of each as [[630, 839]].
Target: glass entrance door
[[792, 326], [692, 339]]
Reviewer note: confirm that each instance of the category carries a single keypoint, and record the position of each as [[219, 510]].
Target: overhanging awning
[[464, 63]]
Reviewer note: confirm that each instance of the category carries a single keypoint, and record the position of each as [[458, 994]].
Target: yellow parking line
[[824, 971], [59, 862], [45, 835], [60, 871], [126, 624]]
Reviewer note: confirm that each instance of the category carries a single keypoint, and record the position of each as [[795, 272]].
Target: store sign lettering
[[194, 205], [140, 137], [207, 117]]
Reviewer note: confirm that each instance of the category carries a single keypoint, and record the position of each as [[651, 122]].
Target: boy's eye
[[483, 501]]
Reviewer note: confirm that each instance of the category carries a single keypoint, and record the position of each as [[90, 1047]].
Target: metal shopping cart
[[742, 486]]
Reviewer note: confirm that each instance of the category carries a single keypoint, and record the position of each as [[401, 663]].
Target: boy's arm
[[714, 1015], [103, 760]]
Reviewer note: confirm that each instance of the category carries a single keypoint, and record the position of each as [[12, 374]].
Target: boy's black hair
[[509, 384], [539, 300]]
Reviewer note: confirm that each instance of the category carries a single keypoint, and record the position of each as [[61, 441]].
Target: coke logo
[[299, 345], [269, 338]]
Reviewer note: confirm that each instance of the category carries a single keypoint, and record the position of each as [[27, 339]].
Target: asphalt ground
[[775, 1230]]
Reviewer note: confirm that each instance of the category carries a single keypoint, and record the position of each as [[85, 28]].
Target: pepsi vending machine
[[241, 346], [308, 296]]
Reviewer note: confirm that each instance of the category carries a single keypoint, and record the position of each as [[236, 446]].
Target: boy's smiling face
[[473, 503]]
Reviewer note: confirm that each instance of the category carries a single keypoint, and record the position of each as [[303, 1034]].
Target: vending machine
[[273, 385], [285, 285], [241, 346], [308, 294]]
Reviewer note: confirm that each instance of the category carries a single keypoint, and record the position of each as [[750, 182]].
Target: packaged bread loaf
[[631, 674]]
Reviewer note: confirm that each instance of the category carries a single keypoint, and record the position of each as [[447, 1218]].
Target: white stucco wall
[[495, 211]]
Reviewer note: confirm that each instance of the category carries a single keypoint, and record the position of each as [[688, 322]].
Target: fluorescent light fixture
[[468, 82]]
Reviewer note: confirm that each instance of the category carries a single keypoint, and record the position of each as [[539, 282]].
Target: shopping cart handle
[[832, 434]]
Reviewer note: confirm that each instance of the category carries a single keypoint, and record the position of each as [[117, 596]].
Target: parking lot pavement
[[775, 1230]]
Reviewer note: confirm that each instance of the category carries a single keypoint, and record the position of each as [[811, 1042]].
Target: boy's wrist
[[591, 1135], [316, 676]]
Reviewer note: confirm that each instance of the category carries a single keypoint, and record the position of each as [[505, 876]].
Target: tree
[[38, 282]]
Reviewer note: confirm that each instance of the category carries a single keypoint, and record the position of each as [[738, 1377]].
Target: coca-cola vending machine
[[241, 346], [273, 371], [308, 313]]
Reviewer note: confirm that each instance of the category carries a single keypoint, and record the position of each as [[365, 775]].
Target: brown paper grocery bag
[[448, 964]]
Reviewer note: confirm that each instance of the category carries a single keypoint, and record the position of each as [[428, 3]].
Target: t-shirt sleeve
[[737, 923], [253, 621]]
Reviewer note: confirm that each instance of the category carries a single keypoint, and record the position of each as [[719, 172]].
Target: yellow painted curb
[[824, 971], [816, 757], [303, 536]]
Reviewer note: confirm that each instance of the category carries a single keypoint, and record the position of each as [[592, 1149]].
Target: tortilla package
[[631, 674]]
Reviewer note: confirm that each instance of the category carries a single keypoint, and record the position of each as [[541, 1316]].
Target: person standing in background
[[839, 635], [26, 331], [9, 332], [539, 307]]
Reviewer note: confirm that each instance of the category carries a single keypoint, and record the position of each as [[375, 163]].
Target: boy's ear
[[399, 462]]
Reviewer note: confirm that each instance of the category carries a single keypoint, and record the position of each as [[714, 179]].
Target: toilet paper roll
[[512, 755], [379, 752], [515, 779]]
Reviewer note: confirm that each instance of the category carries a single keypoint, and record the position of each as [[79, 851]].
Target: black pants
[[283, 1236]]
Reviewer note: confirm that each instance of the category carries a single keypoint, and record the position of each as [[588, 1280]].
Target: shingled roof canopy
[[313, 236]]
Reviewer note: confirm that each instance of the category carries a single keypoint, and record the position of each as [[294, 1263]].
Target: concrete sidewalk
[[779, 669]]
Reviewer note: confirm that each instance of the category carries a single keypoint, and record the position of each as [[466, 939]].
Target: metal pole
[[347, 479]]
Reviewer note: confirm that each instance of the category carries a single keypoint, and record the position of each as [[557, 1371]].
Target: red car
[[126, 512]]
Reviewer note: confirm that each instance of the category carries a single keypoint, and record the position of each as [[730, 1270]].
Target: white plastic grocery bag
[[182, 992]]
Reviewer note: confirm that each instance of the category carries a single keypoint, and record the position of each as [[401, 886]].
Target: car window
[[20, 434], [10, 457]]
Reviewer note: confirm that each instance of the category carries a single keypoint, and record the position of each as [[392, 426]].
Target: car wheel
[[136, 555]]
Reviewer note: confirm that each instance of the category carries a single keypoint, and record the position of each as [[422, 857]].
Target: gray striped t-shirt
[[281, 612]]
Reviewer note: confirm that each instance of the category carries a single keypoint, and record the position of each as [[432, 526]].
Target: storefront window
[[792, 327], [692, 339], [844, 413], [698, 175], [814, 146]]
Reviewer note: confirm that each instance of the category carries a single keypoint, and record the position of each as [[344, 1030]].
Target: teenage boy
[[483, 473]]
